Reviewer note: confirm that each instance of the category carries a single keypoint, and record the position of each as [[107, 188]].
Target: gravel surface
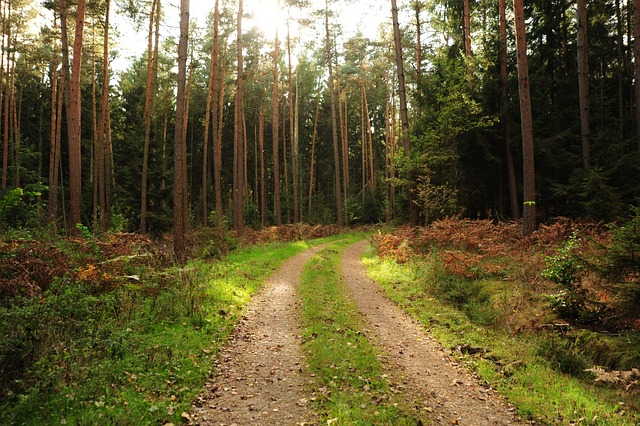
[[260, 377]]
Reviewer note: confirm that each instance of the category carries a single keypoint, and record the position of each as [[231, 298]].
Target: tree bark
[[180, 224], [148, 111], [7, 98], [238, 183], [583, 82], [334, 124], [528, 162], [404, 116], [506, 123], [636, 57], [74, 121], [275, 132], [292, 137]]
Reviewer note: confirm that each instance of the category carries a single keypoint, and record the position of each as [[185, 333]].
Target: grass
[[143, 351], [349, 381], [517, 364]]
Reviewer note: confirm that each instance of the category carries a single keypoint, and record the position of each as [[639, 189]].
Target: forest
[[153, 149], [343, 152]]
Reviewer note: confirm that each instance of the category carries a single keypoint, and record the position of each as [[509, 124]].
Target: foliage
[[521, 353], [127, 335], [18, 207]]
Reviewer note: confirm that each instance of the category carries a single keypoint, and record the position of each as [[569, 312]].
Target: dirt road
[[261, 379]]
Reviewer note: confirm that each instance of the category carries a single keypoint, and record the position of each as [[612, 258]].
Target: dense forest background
[[296, 140]]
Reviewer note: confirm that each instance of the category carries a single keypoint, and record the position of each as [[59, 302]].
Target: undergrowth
[[481, 292], [124, 334]]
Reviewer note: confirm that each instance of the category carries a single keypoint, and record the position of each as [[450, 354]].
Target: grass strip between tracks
[[349, 383]]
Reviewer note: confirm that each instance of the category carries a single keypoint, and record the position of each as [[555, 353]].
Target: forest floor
[[261, 377]]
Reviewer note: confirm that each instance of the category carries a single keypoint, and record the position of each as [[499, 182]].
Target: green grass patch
[[139, 353], [526, 367], [349, 380]]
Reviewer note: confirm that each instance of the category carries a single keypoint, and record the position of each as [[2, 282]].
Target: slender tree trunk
[[263, 188], [294, 148], [180, 224], [506, 124], [417, 6], [404, 116], [238, 191], [467, 41], [211, 114], [388, 159], [275, 131], [344, 137], [148, 112], [53, 141], [636, 57], [334, 124], [218, 155], [313, 154], [528, 162], [7, 98], [95, 158], [583, 82]]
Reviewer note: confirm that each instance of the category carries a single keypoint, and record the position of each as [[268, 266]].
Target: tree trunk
[[148, 111], [417, 6], [506, 124], [180, 224], [74, 121], [263, 189], [467, 41], [275, 132], [528, 163], [636, 57], [334, 124], [211, 114], [294, 148], [238, 178], [404, 116], [53, 140], [7, 98], [583, 82], [313, 153]]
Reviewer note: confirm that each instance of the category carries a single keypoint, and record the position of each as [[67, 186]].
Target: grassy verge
[[349, 381], [140, 353], [522, 366]]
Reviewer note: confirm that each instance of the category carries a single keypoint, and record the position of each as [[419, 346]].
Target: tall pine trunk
[[148, 112], [180, 223], [404, 116], [334, 124], [238, 177], [275, 132], [528, 162], [504, 105], [583, 82]]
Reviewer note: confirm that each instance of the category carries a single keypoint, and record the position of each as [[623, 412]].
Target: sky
[[360, 15]]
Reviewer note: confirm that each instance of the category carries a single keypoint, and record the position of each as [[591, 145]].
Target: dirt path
[[427, 373], [260, 380], [259, 373]]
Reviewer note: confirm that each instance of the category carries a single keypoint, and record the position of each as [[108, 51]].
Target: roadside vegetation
[[349, 382], [551, 321], [108, 330]]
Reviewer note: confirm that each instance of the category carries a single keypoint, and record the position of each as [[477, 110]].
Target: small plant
[[573, 302]]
